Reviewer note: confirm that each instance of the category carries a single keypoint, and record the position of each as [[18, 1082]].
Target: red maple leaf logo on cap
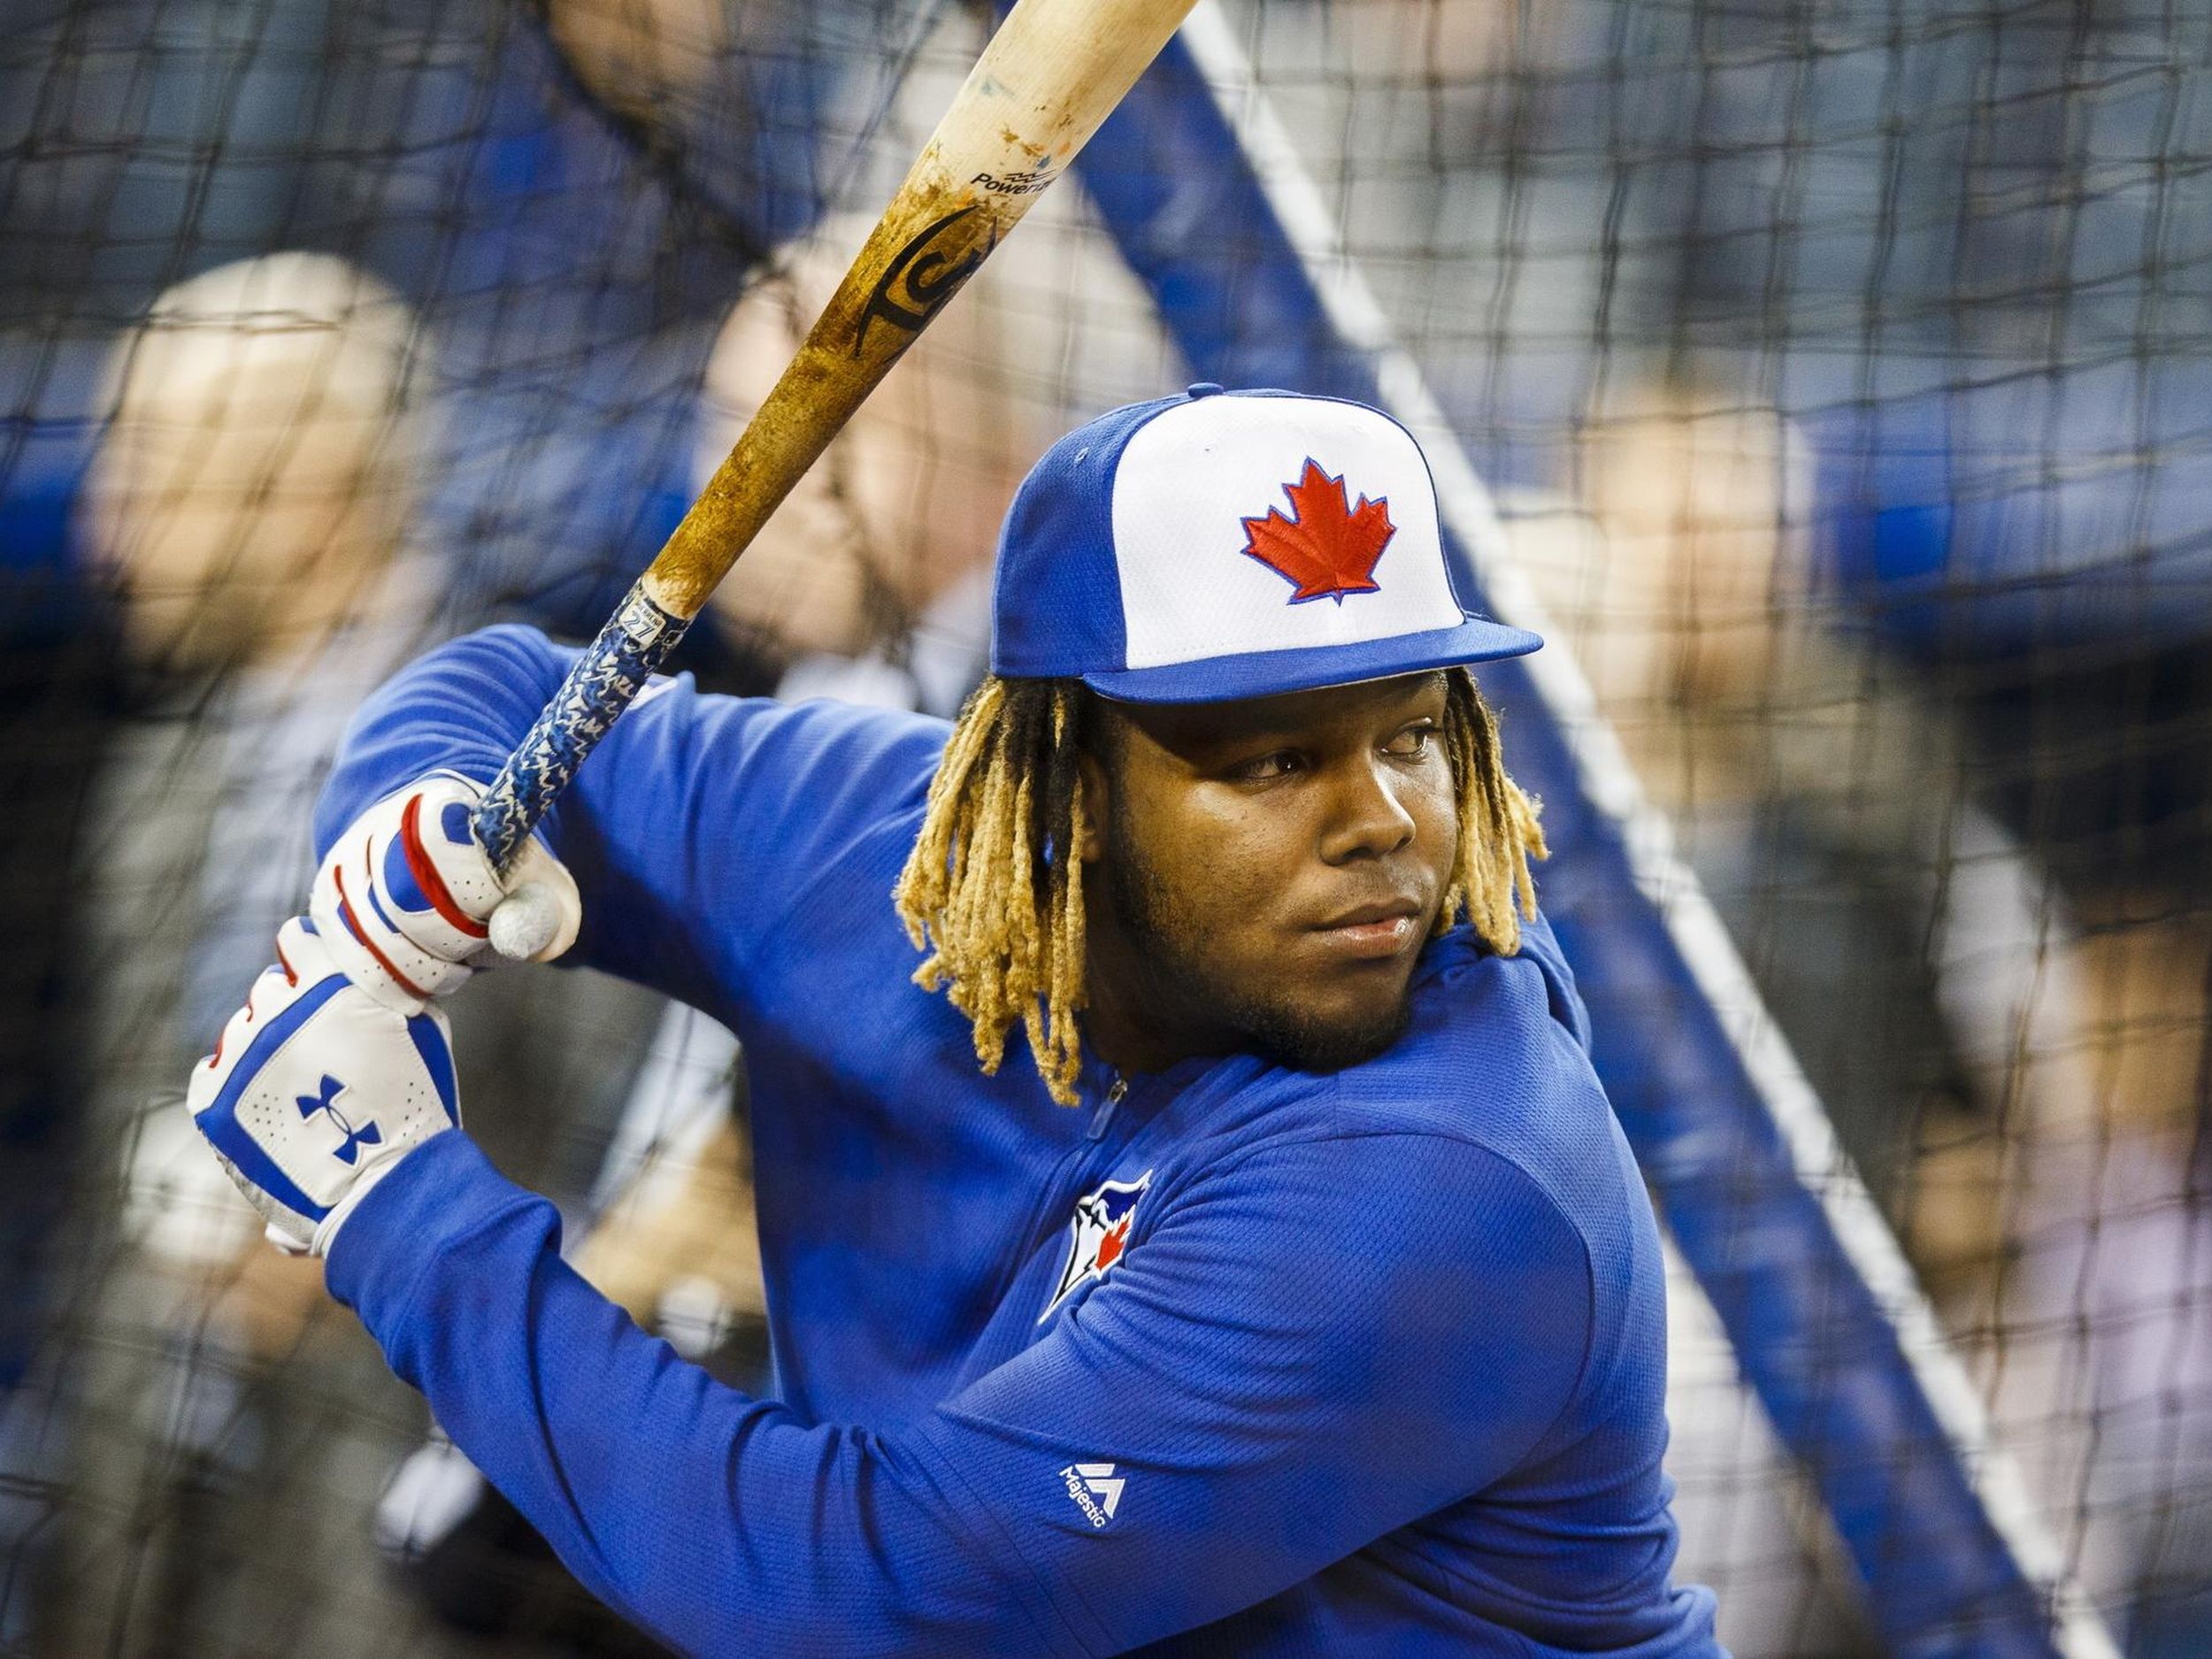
[[1325, 549]]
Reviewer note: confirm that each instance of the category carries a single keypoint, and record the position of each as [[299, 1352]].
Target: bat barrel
[[612, 670]]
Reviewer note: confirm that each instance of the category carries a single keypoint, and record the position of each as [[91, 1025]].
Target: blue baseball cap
[[1218, 545]]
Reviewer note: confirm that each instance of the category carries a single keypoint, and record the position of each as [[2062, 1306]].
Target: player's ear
[[1096, 740], [1092, 785]]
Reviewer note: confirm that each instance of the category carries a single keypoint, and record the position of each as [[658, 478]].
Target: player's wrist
[[423, 1211], [373, 1175]]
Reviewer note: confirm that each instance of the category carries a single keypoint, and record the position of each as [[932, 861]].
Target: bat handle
[[613, 669]]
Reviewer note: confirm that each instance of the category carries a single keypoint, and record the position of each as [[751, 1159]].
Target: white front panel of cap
[[1190, 480]]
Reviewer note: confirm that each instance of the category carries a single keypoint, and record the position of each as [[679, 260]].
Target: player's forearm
[[717, 1521]]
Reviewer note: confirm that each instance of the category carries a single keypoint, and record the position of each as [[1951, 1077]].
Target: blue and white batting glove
[[317, 1090], [410, 905]]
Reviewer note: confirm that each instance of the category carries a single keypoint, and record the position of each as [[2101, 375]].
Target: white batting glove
[[409, 904], [316, 1089]]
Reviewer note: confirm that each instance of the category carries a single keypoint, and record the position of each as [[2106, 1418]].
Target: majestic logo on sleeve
[[1100, 1234], [1325, 550], [1095, 1488]]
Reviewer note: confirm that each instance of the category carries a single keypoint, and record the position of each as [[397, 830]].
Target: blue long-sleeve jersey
[[1231, 1359]]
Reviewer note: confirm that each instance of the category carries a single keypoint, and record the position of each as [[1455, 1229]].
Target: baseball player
[[1189, 1217]]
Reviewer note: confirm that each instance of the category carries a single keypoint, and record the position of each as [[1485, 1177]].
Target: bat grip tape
[[639, 638]]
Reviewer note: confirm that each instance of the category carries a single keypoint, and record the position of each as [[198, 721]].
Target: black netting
[[1839, 371]]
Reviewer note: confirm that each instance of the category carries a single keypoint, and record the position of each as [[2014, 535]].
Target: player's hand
[[410, 905], [316, 1089]]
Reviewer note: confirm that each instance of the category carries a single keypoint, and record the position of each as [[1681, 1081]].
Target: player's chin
[[1350, 1016]]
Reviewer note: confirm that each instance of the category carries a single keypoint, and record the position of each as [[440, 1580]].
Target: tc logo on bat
[[1099, 1234], [924, 274]]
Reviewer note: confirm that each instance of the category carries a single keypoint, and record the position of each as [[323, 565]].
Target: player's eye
[[1262, 768], [1413, 742]]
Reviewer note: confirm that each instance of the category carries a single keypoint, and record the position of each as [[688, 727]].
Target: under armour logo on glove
[[348, 1149], [310, 1060]]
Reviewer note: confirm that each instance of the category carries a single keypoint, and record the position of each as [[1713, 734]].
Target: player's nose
[[1363, 817]]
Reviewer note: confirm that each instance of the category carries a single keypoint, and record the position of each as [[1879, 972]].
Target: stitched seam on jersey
[[1041, 1581], [1542, 1190]]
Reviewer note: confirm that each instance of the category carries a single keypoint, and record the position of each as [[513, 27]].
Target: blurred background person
[[252, 504], [1986, 725], [248, 505], [2017, 1083]]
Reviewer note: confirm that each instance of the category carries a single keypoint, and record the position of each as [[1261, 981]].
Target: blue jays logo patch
[[1099, 1234]]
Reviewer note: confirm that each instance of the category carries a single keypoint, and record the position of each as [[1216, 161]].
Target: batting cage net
[[1827, 382]]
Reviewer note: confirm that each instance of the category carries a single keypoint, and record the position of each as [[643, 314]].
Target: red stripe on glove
[[345, 914], [426, 875]]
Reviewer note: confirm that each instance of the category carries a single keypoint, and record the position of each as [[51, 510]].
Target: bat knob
[[525, 922]]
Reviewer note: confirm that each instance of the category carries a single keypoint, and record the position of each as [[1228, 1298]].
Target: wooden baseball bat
[[1054, 71]]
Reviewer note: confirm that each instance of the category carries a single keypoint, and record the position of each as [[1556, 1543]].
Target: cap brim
[[1273, 673]]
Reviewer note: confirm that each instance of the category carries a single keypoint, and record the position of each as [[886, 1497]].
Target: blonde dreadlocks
[[993, 891]]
